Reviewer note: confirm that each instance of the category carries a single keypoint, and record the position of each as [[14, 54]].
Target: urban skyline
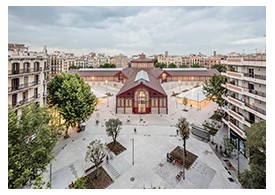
[[132, 30]]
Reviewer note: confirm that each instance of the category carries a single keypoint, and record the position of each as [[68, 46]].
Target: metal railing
[[255, 92], [23, 86], [24, 71], [260, 110], [25, 101], [256, 76]]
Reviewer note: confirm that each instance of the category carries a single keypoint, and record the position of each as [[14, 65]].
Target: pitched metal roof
[[153, 84]]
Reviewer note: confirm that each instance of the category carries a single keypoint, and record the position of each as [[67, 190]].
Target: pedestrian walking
[[107, 159], [177, 132], [216, 147], [135, 130], [221, 149]]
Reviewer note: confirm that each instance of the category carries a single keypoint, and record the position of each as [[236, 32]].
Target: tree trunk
[[97, 171], [184, 145]]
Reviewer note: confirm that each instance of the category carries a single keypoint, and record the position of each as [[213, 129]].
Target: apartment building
[[27, 76], [246, 94], [121, 61], [170, 60], [56, 62]]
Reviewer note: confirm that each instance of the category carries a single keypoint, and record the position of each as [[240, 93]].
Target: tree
[[219, 67], [255, 178], [228, 146], [113, 127], [185, 101], [213, 88], [107, 65], [95, 154], [196, 66], [31, 137], [172, 65], [184, 130], [72, 97], [212, 128], [160, 65]]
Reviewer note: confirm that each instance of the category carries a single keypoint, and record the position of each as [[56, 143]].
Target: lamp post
[[106, 82], [238, 156], [132, 151], [198, 100], [183, 163], [51, 175]]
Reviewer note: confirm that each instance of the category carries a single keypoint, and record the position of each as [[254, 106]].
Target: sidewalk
[[233, 160]]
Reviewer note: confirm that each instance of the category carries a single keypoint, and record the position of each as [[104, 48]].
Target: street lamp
[[198, 100], [132, 151], [106, 82]]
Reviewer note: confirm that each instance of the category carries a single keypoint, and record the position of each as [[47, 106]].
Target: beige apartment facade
[[246, 94], [27, 77]]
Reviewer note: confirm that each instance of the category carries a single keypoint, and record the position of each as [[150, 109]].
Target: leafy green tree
[[213, 88], [184, 130], [219, 67], [172, 65], [107, 65], [113, 127], [72, 97], [78, 184], [31, 137], [160, 65], [185, 101], [196, 66], [212, 128], [183, 66], [228, 146], [255, 178], [95, 154]]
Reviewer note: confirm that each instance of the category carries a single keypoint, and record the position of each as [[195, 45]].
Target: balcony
[[21, 87], [255, 110], [236, 129], [236, 115], [248, 122], [255, 94], [233, 74], [224, 120], [21, 72], [234, 88], [25, 102], [236, 102], [16, 88], [37, 70], [261, 79]]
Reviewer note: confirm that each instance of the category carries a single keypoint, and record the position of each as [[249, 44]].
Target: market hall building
[[142, 92]]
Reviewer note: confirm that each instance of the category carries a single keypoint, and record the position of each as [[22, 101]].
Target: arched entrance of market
[[141, 101]]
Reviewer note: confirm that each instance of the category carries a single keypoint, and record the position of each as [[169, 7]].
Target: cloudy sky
[[132, 30]]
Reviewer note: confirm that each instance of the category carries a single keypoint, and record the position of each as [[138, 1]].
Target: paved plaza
[[155, 136]]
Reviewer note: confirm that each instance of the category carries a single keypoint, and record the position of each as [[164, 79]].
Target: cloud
[[153, 30]]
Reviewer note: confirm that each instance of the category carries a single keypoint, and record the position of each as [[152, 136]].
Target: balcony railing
[[23, 86], [25, 101], [260, 110], [24, 71], [256, 76], [255, 92]]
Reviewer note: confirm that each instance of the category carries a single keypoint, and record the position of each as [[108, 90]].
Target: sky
[[180, 30]]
